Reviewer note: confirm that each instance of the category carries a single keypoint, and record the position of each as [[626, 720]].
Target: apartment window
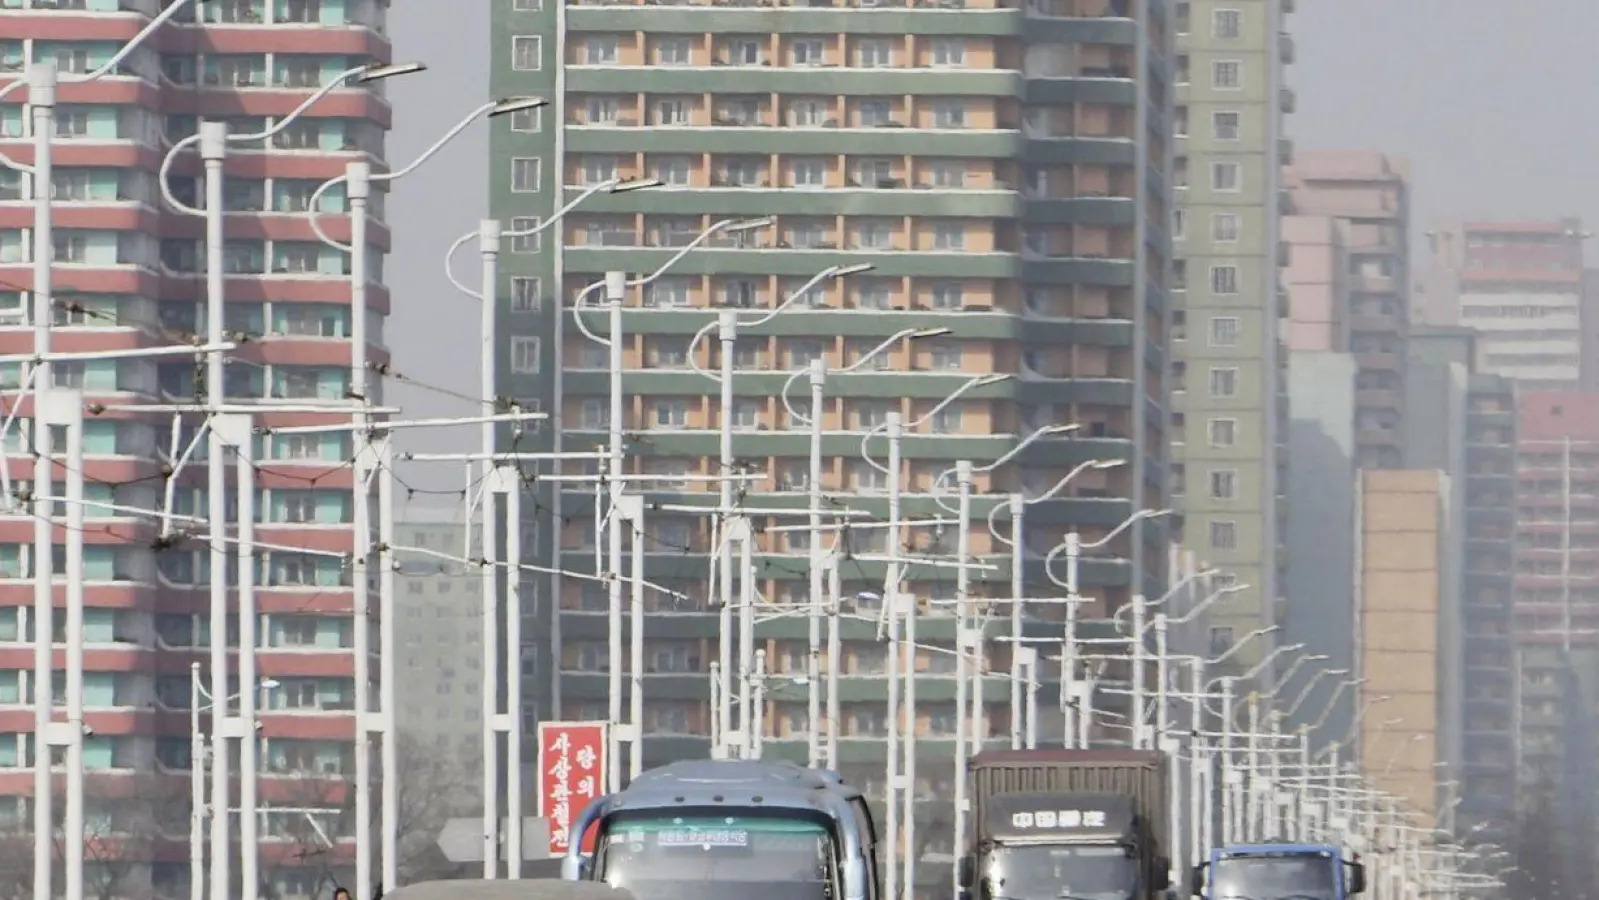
[[746, 52], [673, 52], [1221, 640], [1224, 331], [807, 172], [673, 170], [524, 354], [525, 175], [1179, 121], [874, 113], [673, 110], [671, 414], [1227, 75], [667, 292], [1224, 484], [1225, 125], [949, 53], [1223, 381], [946, 420], [873, 53], [525, 5], [526, 121], [949, 114], [1227, 23], [1227, 177], [949, 236], [946, 295], [600, 50], [808, 112], [948, 173], [1179, 224], [1184, 16], [598, 170], [527, 53], [526, 243], [602, 111], [1224, 228], [1223, 433], [807, 52], [1223, 535], [525, 293], [874, 234], [1224, 280]]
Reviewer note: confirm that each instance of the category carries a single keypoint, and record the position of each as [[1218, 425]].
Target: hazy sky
[[1487, 99]]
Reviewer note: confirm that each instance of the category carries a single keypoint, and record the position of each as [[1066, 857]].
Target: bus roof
[[736, 783]]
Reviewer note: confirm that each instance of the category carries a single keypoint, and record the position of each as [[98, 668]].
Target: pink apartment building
[[1348, 278]]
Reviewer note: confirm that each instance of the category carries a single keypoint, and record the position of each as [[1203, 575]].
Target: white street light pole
[[813, 491], [42, 98], [963, 551], [891, 614]]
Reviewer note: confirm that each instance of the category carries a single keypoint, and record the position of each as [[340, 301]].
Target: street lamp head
[[636, 184], [751, 224], [929, 333], [269, 684], [508, 105], [1103, 464], [1062, 429], [856, 269], [987, 380], [378, 72]]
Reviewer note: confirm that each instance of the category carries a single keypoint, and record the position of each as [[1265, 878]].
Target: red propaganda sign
[[572, 761]]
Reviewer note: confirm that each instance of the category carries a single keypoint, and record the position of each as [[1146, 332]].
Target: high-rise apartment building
[[1368, 196], [129, 273], [1007, 173], [1228, 365], [1523, 285], [439, 609], [1463, 423]]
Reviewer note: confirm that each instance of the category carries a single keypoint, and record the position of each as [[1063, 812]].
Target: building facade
[[1523, 285], [1408, 561], [1368, 196], [1006, 171], [439, 611], [130, 273], [1463, 422], [1227, 357]]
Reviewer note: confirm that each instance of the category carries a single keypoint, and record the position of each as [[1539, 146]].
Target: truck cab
[[731, 830], [1065, 847], [1278, 871]]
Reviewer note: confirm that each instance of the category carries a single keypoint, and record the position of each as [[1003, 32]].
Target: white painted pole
[[1018, 589], [240, 435], [635, 714], [895, 519], [615, 294], [41, 102], [963, 552], [67, 412], [213, 150], [1140, 660], [813, 486], [387, 688], [489, 254], [196, 789], [891, 611], [727, 337], [510, 488], [835, 656], [746, 636], [1078, 720]]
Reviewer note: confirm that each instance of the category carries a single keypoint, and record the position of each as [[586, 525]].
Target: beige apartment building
[[1408, 569], [1228, 396]]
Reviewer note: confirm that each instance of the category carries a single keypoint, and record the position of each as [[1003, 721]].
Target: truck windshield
[[1074, 872], [1275, 878], [665, 857]]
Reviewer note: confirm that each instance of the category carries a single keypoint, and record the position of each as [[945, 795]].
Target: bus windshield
[[666, 857]]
